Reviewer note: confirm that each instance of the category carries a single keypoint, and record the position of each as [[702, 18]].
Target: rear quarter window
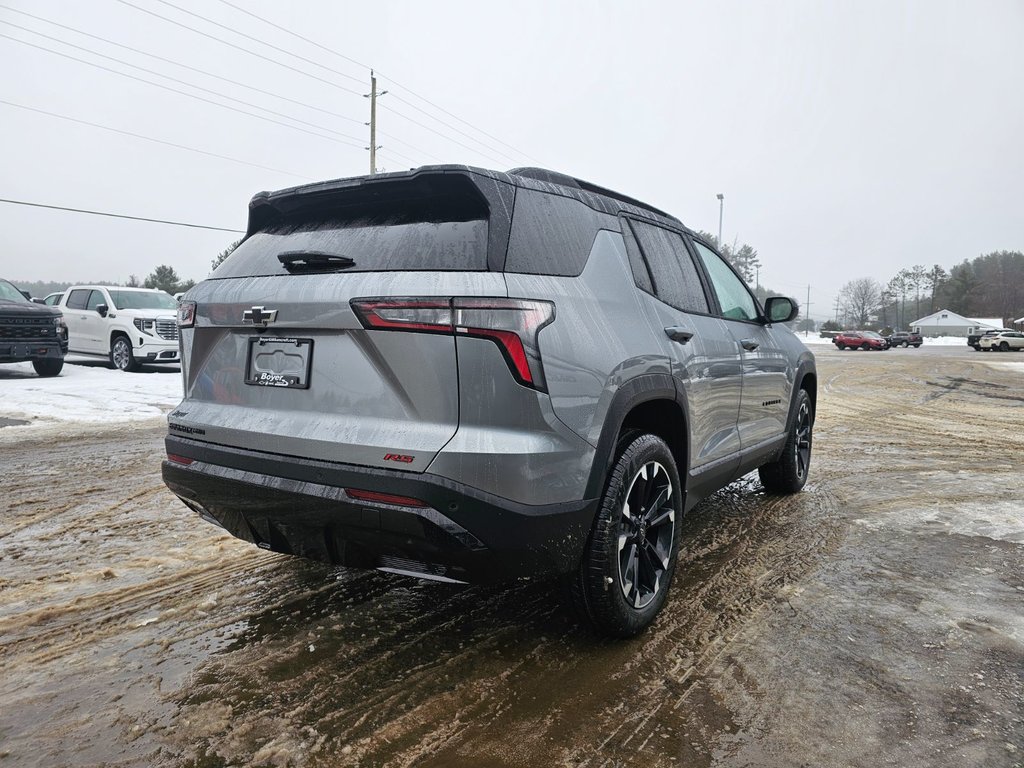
[[551, 234]]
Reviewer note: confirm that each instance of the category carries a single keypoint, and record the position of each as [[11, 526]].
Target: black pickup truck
[[905, 339], [31, 331]]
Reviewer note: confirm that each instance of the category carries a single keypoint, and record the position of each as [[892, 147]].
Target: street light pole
[[721, 208]]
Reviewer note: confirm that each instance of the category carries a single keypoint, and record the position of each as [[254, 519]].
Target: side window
[[675, 278], [641, 276], [77, 299], [95, 299], [733, 296]]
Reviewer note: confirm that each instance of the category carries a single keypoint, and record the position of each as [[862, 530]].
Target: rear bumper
[[299, 506]]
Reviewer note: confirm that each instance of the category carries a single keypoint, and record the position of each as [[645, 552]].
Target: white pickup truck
[[129, 326]]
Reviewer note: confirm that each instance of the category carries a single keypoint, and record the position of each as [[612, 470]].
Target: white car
[[129, 326], [1003, 342]]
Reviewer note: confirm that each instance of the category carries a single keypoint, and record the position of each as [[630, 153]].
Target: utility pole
[[807, 310], [372, 95], [721, 209]]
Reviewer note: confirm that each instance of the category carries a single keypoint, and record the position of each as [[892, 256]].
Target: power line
[[261, 42], [180, 82], [120, 216], [239, 48], [182, 93], [358, 63], [425, 127], [184, 66], [154, 140]]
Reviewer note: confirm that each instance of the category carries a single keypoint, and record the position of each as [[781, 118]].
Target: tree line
[[990, 285]]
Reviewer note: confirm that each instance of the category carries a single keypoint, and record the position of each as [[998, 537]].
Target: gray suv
[[467, 375]]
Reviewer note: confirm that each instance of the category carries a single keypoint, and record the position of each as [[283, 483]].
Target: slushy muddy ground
[[875, 619]]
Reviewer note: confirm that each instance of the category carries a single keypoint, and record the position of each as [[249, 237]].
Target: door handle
[[749, 344], [679, 333]]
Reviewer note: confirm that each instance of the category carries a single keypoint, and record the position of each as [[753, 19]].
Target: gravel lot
[[875, 619]]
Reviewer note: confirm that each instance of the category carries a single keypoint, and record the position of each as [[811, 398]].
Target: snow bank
[[85, 392], [938, 341]]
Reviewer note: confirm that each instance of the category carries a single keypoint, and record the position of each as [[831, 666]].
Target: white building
[[945, 322]]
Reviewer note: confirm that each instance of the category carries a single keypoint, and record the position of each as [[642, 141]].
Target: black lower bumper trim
[[298, 506]]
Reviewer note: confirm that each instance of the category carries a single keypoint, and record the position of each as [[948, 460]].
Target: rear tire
[[789, 473], [1004, 347], [631, 553], [49, 367], [121, 356]]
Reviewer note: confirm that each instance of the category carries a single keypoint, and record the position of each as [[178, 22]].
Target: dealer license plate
[[279, 362]]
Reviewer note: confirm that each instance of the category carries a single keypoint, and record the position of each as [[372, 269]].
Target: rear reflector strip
[[384, 498], [179, 459]]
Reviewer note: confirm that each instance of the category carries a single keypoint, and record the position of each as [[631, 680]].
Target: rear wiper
[[314, 261]]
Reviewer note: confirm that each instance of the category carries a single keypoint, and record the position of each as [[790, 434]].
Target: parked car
[[128, 326], [53, 299], [905, 339], [1003, 342], [974, 339], [468, 375], [31, 332], [860, 340]]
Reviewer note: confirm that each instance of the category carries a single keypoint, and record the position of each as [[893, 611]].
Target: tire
[[906, 344], [1004, 347], [865, 346], [48, 367], [840, 345], [630, 558], [917, 346], [121, 356], [789, 473]]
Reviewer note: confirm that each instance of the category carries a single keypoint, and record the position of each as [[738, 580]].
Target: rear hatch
[[279, 361]]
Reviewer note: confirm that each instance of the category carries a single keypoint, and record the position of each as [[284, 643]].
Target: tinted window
[[551, 235], [77, 299], [733, 296], [95, 299], [376, 244], [636, 260], [675, 277]]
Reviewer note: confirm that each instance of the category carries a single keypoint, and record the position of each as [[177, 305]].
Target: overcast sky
[[850, 138]]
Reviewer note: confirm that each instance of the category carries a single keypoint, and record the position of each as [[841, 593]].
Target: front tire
[[789, 473], [50, 367], [841, 345], [121, 356], [633, 546], [865, 346]]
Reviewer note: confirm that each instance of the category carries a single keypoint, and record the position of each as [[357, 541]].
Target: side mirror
[[26, 294], [779, 309], [102, 309]]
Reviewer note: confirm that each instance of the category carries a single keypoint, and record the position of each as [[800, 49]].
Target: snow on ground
[[87, 391], [931, 341]]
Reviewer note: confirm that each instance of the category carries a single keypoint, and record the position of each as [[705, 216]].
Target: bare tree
[[859, 299]]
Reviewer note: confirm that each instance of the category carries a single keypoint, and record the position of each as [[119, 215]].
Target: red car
[[860, 340]]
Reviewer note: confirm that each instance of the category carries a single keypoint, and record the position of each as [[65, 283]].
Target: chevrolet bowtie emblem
[[259, 316]]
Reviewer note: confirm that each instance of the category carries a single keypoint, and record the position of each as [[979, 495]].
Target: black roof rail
[[554, 177]]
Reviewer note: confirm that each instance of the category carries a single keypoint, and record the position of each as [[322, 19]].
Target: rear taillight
[[512, 324], [186, 314]]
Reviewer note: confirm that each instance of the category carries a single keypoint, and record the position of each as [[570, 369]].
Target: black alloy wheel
[[646, 532], [630, 557], [788, 473]]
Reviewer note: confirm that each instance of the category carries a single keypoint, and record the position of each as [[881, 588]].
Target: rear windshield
[[141, 300], [379, 244]]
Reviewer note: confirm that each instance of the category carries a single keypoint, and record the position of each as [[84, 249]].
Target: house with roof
[[946, 322]]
